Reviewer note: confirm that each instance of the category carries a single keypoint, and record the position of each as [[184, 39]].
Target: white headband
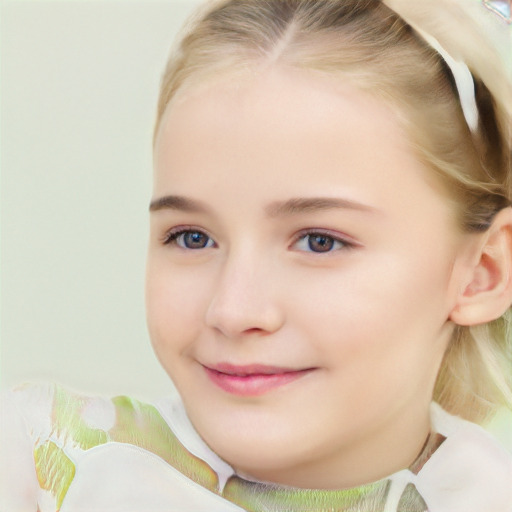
[[463, 80], [461, 73], [430, 19]]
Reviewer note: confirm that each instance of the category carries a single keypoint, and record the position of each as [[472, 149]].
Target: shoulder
[[45, 428], [469, 472], [48, 431], [24, 416], [51, 411], [66, 451]]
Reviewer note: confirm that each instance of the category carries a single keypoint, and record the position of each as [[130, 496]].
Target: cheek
[[176, 302], [377, 304], [377, 333]]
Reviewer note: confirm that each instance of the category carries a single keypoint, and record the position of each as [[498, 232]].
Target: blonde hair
[[368, 44]]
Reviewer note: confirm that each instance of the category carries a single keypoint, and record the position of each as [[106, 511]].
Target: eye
[[321, 243], [189, 239]]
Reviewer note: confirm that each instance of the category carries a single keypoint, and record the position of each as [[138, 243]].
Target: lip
[[253, 379]]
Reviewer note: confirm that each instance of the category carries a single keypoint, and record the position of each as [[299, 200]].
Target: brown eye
[[321, 243]]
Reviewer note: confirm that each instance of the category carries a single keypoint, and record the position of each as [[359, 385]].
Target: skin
[[370, 316]]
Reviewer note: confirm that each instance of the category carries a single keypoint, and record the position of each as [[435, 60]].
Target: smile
[[252, 380]]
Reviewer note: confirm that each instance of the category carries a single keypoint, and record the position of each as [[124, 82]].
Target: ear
[[489, 292]]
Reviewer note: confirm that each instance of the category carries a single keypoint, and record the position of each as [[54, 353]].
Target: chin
[[252, 451], [259, 462]]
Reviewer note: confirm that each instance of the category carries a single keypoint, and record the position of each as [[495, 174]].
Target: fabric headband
[[462, 75], [463, 80]]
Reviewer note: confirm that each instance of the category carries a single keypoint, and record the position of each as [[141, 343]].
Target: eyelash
[[346, 244], [172, 237]]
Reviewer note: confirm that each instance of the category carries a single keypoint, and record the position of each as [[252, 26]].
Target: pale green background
[[79, 83]]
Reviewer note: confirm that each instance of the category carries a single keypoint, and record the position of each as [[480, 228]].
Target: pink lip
[[252, 380]]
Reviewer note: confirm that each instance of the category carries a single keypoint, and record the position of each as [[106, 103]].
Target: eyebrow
[[180, 203], [293, 206], [312, 204]]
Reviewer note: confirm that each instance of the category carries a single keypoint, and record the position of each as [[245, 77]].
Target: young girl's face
[[302, 270]]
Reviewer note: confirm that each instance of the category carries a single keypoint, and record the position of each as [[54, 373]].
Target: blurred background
[[79, 83]]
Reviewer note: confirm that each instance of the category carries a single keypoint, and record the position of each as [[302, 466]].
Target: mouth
[[254, 379]]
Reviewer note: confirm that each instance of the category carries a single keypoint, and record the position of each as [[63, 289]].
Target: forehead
[[288, 129]]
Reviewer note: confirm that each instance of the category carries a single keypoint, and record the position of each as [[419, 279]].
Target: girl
[[329, 274]]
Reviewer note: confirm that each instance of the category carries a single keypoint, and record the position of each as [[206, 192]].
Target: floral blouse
[[65, 452]]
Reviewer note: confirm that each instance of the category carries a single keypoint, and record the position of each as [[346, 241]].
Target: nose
[[245, 299]]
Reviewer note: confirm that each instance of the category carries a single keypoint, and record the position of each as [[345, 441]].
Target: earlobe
[[489, 292]]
